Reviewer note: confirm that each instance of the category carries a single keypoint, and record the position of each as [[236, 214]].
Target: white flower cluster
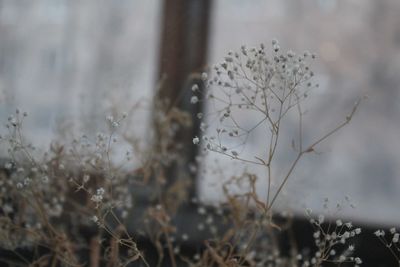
[[115, 122], [390, 241], [252, 83], [98, 197], [330, 241]]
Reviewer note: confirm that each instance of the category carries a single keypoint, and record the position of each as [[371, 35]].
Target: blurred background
[[67, 63]]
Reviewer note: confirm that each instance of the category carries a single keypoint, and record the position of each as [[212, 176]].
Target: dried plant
[[76, 205]]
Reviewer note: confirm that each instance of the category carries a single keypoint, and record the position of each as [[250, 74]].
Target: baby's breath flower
[[317, 234], [194, 99], [86, 178], [379, 233], [395, 238], [110, 118], [201, 210], [95, 219], [308, 211], [27, 181], [177, 250], [276, 47], [321, 219], [8, 165], [203, 126], [196, 140], [100, 191], [349, 225], [96, 198], [195, 87]]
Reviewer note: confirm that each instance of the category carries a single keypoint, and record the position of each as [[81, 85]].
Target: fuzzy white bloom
[[194, 99], [96, 198], [317, 234], [195, 87], [95, 219], [357, 260], [203, 126], [196, 140], [339, 223], [358, 231], [8, 165], [204, 76], [276, 47], [346, 234], [12, 120], [379, 233], [392, 230], [321, 219], [290, 53], [27, 181], [201, 210], [395, 238], [100, 191], [86, 178], [308, 211], [110, 118]]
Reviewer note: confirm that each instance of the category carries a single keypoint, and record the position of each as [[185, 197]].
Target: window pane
[[72, 62], [358, 48]]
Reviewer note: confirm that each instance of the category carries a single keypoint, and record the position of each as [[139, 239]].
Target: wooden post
[[183, 52]]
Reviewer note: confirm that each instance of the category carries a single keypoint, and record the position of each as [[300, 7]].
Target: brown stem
[[95, 251]]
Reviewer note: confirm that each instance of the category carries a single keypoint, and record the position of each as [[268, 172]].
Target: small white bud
[[196, 140], [194, 100]]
